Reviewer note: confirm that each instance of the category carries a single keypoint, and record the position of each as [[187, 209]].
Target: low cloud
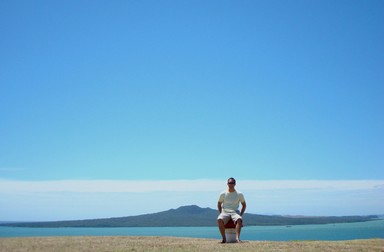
[[81, 199], [200, 185], [11, 169]]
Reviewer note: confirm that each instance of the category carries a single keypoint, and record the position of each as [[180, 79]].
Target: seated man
[[228, 205]]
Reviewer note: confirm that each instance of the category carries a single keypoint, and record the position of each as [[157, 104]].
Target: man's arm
[[219, 207], [243, 207]]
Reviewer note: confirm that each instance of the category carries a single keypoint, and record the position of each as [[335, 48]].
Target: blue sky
[[190, 91]]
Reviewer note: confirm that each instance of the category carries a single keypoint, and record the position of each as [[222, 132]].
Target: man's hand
[[219, 206], [244, 206]]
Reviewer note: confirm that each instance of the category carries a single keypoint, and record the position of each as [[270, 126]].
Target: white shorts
[[227, 216]]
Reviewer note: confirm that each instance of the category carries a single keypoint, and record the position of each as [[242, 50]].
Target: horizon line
[[379, 215]]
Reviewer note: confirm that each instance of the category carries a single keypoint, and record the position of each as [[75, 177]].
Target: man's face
[[231, 183]]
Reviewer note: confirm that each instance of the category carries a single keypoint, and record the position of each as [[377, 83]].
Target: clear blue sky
[[185, 90]]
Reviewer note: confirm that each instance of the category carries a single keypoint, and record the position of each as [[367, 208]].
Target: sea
[[326, 232]]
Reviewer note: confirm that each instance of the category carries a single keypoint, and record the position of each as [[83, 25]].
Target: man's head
[[231, 181], [231, 184]]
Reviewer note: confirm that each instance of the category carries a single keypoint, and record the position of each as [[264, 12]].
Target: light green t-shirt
[[231, 200]]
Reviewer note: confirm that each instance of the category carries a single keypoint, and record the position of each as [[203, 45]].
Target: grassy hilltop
[[169, 244]]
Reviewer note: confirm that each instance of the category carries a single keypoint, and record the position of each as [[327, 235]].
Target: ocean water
[[341, 231]]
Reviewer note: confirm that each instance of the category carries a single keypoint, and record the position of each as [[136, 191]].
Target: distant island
[[192, 216]]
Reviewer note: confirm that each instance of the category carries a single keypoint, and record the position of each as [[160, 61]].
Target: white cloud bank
[[201, 185], [83, 199]]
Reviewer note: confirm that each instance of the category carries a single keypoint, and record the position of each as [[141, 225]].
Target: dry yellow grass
[[141, 243]]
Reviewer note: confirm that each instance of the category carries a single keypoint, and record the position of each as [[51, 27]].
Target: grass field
[[145, 243]]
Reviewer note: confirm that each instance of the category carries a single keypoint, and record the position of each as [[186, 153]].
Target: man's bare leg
[[220, 223], [239, 225]]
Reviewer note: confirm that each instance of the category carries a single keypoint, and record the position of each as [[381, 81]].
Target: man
[[228, 205]]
